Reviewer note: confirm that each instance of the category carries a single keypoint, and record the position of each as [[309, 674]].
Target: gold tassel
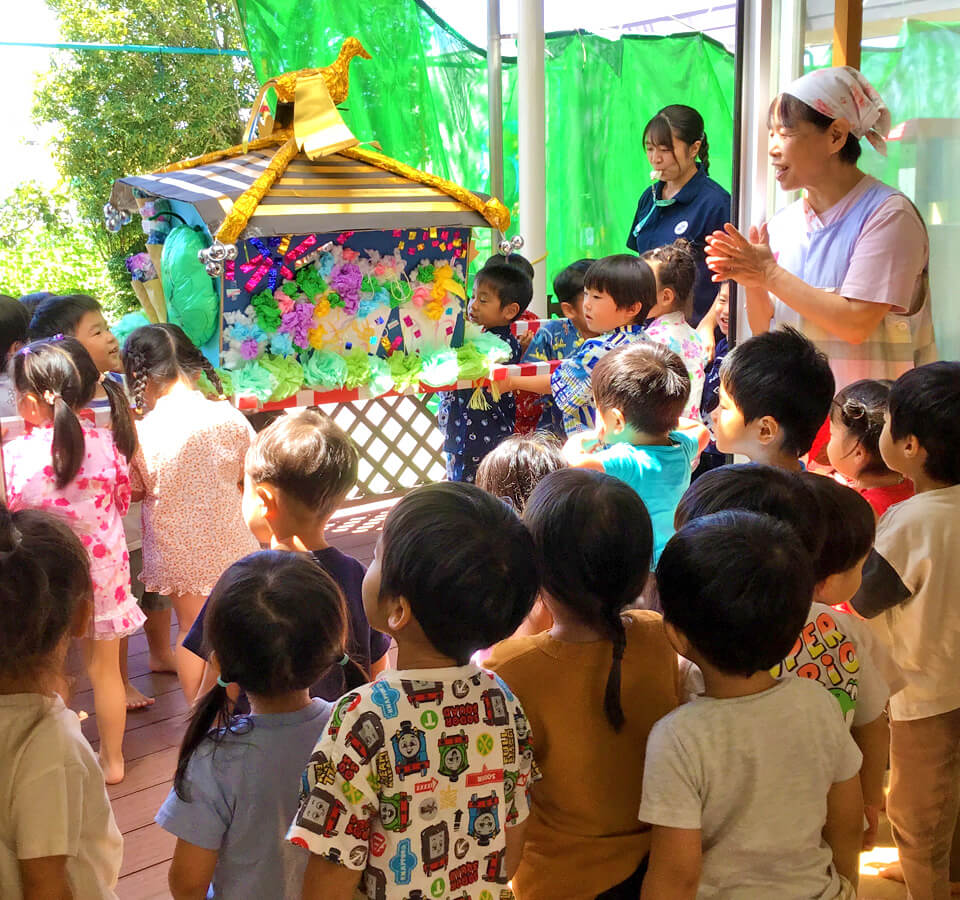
[[478, 400]]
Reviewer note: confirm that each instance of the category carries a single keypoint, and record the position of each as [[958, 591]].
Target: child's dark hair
[[461, 558], [627, 279], [738, 585], [14, 320], [510, 283], [781, 374], [677, 270], [925, 402], [61, 374], [276, 622], [32, 301], [681, 121], [568, 283], [515, 260], [859, 407], [790, 111], [45, 589], [761, 489], [605, 569], [308, 457], [60, 314], [849, 525], [163, 353], [517, 465], [647, 382]]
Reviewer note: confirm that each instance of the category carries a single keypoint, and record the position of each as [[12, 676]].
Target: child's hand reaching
[[580, 447]]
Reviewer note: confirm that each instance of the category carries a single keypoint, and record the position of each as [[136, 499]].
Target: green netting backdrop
[[423, 96]]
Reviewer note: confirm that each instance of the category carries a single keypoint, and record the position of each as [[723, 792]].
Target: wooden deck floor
[[153, 735]]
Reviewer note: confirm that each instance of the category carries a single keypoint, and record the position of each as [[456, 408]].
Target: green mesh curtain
[[423, 96]]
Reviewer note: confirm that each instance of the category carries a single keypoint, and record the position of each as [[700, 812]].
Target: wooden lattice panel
[[398, 442]]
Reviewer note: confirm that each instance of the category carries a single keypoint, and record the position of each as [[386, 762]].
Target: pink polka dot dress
[[93, 505], [189, 467]]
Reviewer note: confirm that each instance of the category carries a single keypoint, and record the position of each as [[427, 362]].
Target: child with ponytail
[[189, 472], [606, 670], [79, 471], [275, 623], [58, 837]]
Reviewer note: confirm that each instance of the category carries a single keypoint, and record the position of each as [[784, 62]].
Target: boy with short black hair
[[639, 392], [421, 785], [297, 473], [722, 770], [775, 393], [500, 293], [910, 584], [79, 316]]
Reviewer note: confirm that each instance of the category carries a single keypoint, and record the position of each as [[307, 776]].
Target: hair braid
[[611, 697], [207, 368], [704, 154], [138, 370]]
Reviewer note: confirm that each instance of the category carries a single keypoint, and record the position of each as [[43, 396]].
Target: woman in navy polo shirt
[[683, 202]]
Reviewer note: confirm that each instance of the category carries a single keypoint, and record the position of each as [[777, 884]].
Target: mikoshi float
[[309, 268]]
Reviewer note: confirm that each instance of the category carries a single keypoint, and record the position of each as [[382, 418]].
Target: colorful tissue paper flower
[[445, 281], [141, 267], [366, 307], [335, 300], [345, 279], [298, 322], [380, 379], [358, 368], [250, 349], [439, 367], [324, 370], [267, 311], [322, 307], [282, 344], [288, 373], [492, 348], [471, 364], [434, 309], [310, 281], [285, 305], [421, 295], [226, 380], [317, 338], [254, 381], [325, 264], [368, 285], [349, 254], [290, 288], [232, 359], [404, 369], [425, 273], [379, 269], [400, 293]]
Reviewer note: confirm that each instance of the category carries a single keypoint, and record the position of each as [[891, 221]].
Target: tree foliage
[[119, 113]]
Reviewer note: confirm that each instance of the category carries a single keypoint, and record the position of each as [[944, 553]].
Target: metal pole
[[532, 140], [495, 103]]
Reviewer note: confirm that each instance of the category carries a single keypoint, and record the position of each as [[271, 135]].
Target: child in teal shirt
[[639, 391]]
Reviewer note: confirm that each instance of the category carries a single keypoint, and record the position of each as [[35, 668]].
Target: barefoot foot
[[135, 699], [894, 872], [165, 663], [112, 772]]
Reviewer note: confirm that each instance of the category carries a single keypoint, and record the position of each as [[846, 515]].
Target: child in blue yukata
[[500, 293], [557, 339], [420, 786], [776, 390], [619, 292], [640, 391]]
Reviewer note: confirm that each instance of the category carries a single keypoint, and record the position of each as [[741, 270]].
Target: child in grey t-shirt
[[753, 789]]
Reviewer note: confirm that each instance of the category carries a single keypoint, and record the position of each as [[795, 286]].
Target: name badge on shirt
[[681, 227]]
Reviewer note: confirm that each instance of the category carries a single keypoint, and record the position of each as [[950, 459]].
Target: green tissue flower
[[268, 313], [324, 370], [253, 380], [290, 288], [358, 368], [287, 372], [380, 380], [439, 367], [405, 369], [425, 274]]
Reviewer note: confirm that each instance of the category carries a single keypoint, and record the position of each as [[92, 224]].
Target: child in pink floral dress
[[676, 271], [78, 470], [189, 472]]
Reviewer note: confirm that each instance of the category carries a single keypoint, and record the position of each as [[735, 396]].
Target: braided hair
[[859, 407], [601, 574], [161, 354]]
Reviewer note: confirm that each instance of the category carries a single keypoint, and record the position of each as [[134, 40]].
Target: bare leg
[[189, 665], [103, 667], [135, 699], [157, 630]]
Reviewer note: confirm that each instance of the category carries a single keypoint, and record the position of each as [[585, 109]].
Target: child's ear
[[669, 296], [510, 311], [399, 613], [267, 498], [619, 420], [768, 429], [634, 310], [911, 448], [567, 309]]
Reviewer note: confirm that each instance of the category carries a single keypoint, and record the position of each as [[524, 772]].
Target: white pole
[[532, 141], [495, 104]]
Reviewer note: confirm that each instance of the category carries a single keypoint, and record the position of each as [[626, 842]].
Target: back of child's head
[[646, 381], [308, 457], [14, 320], [32, 301], [568, 283], [627, 279], [859, 408], [161, 354], [60, 314], [605, 568], [515, 260], [925, 402], [45, 591], [517, 465], [509, 282], [783, 375], [757, 488], [848, 523], [738, 585], [461, 558], [275, 622], [677, 270]]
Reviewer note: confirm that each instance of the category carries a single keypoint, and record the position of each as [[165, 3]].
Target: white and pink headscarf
[[843, 92]]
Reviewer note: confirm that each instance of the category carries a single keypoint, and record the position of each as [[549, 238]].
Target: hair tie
[[57, 337], [222, 683], [100, 380], [50, 397], [344, 660], [15, 538]]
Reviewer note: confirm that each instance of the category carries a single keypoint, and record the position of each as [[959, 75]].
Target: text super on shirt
[[416, 780]]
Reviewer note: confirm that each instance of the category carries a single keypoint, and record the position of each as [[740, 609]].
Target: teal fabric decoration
[[193, 301], [130, 322]]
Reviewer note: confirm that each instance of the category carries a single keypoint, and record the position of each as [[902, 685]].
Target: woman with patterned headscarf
[[846, 262]]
